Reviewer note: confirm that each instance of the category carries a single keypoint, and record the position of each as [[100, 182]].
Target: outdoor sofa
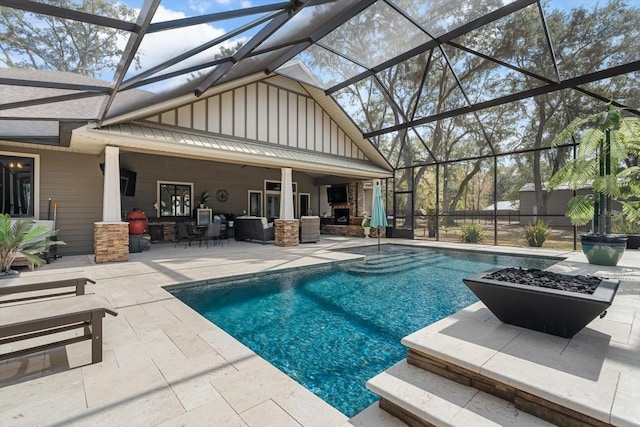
[[25, 321], [253, 228]]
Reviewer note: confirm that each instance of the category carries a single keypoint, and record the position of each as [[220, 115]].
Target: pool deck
[[166, 365]]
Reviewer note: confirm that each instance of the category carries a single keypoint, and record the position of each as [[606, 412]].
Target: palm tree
[[608, 145], [604, 152], [23, 239]]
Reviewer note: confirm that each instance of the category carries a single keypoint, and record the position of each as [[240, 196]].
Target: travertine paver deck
[[166, 365]]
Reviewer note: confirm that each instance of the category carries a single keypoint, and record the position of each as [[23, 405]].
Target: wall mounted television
[[338, 194], [127, 181]]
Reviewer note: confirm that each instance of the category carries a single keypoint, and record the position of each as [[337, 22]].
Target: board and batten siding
[[266, 113]]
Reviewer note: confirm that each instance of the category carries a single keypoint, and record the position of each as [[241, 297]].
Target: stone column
[[111, 241], [111, 206], [287, 232], [111, 236]]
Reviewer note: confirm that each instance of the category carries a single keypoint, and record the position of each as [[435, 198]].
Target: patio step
[[422, 398]]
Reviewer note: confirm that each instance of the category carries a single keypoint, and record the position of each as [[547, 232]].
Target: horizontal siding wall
[[205, 175], [74, 182], [266, 113]]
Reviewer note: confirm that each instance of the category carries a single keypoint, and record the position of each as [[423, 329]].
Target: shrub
[[536, 234], [626, 227], [472, 233]]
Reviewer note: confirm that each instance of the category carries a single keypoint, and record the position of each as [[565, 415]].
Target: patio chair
[[214, 233], [182, 234], [309, 229]]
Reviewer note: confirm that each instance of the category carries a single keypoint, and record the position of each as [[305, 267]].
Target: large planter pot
[[633, 241], [603, 249], [552, 311], [9, 274]]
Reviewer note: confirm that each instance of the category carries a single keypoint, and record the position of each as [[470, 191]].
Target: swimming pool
[[333, 328]]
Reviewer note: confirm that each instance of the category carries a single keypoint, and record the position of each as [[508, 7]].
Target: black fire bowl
[[552, 311]]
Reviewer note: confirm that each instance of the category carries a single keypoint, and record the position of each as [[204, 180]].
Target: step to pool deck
[[459, 368], [420, 397]]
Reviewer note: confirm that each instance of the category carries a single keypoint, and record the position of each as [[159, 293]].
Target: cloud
[[245, 4], [200, 6], [161, 46]]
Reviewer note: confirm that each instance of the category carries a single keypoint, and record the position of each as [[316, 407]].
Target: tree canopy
[[44, 42]]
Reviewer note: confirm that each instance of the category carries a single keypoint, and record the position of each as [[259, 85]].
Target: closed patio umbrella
[[378, 214]]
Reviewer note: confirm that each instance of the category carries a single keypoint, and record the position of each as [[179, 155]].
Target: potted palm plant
[[609, 144], [25, 240]]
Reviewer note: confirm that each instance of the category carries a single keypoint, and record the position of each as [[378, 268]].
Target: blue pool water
[[333, 328]]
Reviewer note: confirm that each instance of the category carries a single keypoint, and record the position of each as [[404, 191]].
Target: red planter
[[137, 222]]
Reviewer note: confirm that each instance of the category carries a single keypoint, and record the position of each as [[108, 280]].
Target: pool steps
[[392, 264], [422, 398], [470, 369]]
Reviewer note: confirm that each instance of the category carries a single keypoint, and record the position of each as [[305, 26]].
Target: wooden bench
[[77, 283], [30, 320]]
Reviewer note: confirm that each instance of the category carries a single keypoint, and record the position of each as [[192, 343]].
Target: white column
[[286, 194], [111, 208]]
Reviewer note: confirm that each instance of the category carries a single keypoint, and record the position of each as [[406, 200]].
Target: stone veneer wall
[[111, 241], [168, 230], [350, 230], [360, 207], [356, 201], [286, 232]]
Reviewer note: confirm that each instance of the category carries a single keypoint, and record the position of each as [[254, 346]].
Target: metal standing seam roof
[[138, 135]]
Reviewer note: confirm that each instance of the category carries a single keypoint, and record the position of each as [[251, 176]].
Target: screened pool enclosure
[[461, 97]]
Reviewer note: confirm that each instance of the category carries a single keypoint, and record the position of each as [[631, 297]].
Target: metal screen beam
[[567, 84], [49, 100], [477, 23], [176, 59], [329, 26], [175, 74], [246, 49], [74, 15], [213, 17], [53, 85], [144, 20]]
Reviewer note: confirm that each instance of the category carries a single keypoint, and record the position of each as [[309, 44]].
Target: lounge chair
[[24, 321]]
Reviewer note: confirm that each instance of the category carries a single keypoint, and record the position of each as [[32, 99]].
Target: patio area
[[166, 365]]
